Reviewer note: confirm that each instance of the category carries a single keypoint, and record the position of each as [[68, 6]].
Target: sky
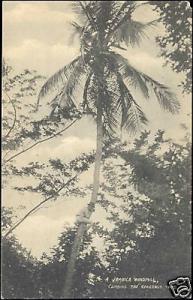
[[37, 35]]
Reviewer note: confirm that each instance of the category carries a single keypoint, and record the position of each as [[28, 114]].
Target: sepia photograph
[[96, 150]]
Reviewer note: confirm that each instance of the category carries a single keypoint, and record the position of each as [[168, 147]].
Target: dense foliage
[[19, 267], [150, 233], [176, 44], [101, 76]]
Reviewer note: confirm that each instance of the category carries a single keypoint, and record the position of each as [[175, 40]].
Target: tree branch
[[36, 207], [39, 142], [15, 116]]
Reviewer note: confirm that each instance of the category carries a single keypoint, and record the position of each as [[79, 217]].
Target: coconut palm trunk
[[67, 292], [104, 27]]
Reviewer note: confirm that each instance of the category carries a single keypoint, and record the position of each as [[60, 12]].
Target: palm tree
[[105, 78]]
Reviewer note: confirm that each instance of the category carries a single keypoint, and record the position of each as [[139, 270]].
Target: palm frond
[[132, 115], [121, 110], [109, 101], [61, 101], [78, 10], [134, 78], [85, 93], [75, 77], [87, 9], [66, 97], [122, 104], [78, 29], [111, 113], [132, 32], [57, 80], [89, 94], [166, 98], [135, 118], [129, 73], [111, 121], [120, 12], [115, 45], [119, 107]]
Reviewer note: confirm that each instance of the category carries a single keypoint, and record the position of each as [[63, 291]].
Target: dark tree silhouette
[[176, 45]]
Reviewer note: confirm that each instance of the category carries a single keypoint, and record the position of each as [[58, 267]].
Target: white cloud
[[37, 12], [152, 65], [40, 56], [75, 145], [67, 148], [37, 36], [38, 233]]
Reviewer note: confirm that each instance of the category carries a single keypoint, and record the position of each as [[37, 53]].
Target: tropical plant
[[148, 199], [176, 44], [18, 98], [51, 180], [19, 267], [22, 130], [104, 79], [88, 269]]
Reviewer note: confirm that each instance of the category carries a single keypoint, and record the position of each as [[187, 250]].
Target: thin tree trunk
[[67, 292]]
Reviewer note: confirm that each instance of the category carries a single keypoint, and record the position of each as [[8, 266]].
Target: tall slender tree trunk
[[67, 291]]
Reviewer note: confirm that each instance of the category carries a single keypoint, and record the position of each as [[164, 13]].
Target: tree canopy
[[176, 44]]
